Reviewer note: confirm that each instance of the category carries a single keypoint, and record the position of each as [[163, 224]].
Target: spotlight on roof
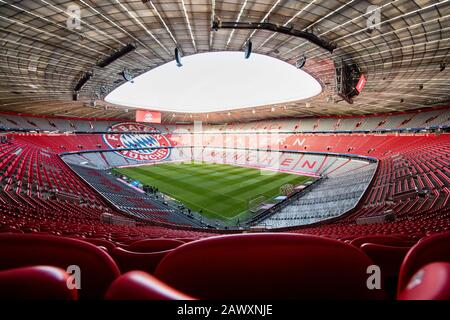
[[300, 62], [248, 49], [289, 30], [178, 57], [116, 55], [85, 78], [216, 24], [127, 75], [442, 66], [81, 83]]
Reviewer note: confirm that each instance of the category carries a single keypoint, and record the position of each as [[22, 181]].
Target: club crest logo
[[137, 141], [148, 117]]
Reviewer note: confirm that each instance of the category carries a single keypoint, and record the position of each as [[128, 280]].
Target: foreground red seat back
[[154, 245], [36, 283], [388, 258], [432, 282], [435, 248], [138, 285], [389, 240], [144, 261], [268, 266], [97, 268], [101, 243]]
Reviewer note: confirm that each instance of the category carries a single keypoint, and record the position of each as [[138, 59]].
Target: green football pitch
[[221, 191]]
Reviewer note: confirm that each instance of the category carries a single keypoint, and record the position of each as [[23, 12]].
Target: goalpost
[[254, 204]]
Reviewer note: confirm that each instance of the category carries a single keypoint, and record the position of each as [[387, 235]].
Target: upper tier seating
[[54, 124], [413, 119]]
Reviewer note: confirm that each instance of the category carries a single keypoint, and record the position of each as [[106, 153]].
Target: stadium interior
[[342, 195]]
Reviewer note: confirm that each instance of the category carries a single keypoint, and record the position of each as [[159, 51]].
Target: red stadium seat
[[432, 282], [435, 248], [38, 282], [185, 240], [153, 245], [97, 268], [390, 240], [101, 242], [138, 285], [145, 261], [265, 266], [388, 258]]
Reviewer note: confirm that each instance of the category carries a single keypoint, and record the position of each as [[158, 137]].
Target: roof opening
[[216, 81]]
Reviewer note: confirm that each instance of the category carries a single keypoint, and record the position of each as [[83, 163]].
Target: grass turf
[[221, 191]]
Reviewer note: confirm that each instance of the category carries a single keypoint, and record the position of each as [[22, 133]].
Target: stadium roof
[[45, 51]]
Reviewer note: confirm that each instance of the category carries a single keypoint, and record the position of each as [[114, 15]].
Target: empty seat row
[[248, 266]]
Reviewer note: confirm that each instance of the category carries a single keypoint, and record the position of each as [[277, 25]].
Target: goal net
[[255, 204], [287, 189]]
